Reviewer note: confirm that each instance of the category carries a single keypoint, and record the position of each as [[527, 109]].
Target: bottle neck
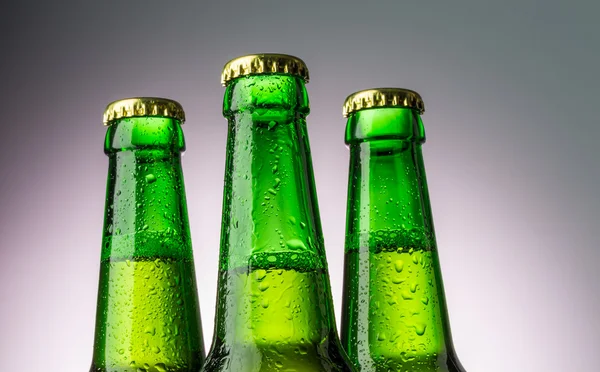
[[388, 203], [270, 204], [147, 316], [273, 287], [146, 213], [393, 287]]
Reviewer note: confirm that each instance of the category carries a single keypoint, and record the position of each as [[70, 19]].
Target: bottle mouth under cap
[[266, 63], [143, 106], [383, 97]]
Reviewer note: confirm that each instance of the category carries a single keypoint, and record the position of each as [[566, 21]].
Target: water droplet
[[302, 225], [263, 286], [405, 357], [295, 244], [150, 330], [272, 191], [264, 303], [271, 258], [272, 123], [260, 274], [160, 367], [381, 337], [275, 168], [425, 300], [399, 265], [397, 280], [420, 328], [413, 287], [121, 351], [156, 350], [406, 295], [150, 178]]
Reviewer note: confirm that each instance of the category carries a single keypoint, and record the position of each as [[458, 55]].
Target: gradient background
[[511, 89]]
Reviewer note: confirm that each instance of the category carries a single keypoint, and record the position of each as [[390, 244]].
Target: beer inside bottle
[[274, 307], [148, 316], [394, 314]]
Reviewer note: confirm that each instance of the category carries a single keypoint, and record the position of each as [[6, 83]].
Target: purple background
[[511, 90]]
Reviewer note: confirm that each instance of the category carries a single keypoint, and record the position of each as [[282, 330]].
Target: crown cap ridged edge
[[143, 106], [383, 97], [259, 64]]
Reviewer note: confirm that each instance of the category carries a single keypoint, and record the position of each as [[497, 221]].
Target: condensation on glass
[[394, 315], [274, 308], [147, 318]]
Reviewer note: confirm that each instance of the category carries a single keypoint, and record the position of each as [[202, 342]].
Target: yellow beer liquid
[[279, 317], [149, 306], [403, 314]]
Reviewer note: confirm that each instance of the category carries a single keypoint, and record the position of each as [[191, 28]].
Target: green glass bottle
[[274, 308], [394, 314], [148, 316]]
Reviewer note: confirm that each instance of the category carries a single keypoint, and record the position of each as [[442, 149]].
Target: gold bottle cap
[[143, 106], [256, 64], [383, 97]]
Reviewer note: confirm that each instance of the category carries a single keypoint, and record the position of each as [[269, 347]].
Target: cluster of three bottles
[[274, 307]]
